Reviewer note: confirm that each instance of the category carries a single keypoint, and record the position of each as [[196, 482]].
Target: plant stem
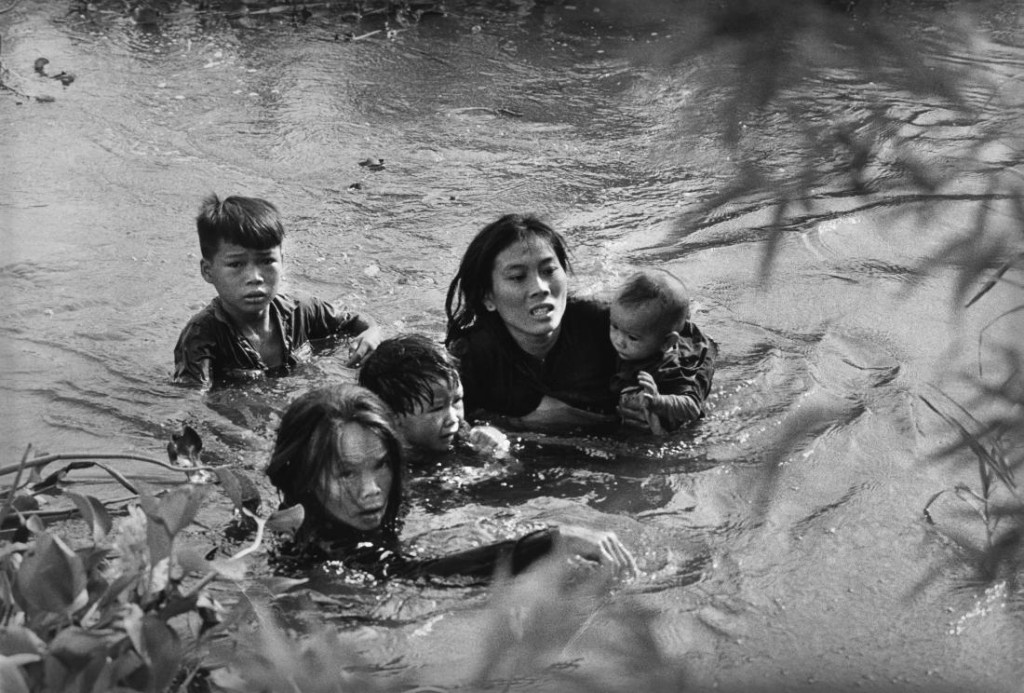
[[47, 459]]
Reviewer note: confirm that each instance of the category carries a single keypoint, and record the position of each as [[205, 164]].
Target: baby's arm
[[667, 411]]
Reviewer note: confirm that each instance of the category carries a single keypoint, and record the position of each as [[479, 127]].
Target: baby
[[665, 363], [419, 380]]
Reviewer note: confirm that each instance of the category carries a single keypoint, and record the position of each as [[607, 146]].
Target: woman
[[338, 455], [527, 349]]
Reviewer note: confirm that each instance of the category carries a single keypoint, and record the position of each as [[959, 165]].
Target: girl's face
[[528, 291], [357, 491]]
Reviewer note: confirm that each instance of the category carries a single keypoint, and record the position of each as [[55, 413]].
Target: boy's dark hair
[[664, 290], [402, 371], [246, 221]]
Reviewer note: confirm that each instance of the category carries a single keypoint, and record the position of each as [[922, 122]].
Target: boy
[[419, 380], [664, 360], [250, 329]]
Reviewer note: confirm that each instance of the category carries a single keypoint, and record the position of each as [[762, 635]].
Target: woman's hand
[[556, 413], [595, 545], [364, 344]]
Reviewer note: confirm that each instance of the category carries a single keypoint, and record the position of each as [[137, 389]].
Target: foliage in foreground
[[130, 609], [756, 61]]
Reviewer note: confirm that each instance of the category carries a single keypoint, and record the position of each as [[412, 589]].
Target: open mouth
[[541, 311]]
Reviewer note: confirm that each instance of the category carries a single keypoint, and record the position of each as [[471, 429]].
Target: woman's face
[[528, 291], [357, 491]]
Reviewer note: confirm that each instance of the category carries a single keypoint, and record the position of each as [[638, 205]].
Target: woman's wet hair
[[464, 304], [404, 370], [246, 221], [308, 446]]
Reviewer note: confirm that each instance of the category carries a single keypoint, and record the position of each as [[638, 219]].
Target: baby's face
[[633, 334], [432, 426]]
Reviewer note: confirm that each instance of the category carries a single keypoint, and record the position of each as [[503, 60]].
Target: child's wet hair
[[246, 221], [404, 370], [661, 289], [309, 439]]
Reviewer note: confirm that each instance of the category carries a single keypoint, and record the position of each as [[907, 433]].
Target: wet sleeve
[[683, 390], [676, 410], [193, 355], [324, 319], [482, 562]]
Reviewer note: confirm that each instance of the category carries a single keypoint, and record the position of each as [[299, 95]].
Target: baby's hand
[[647, 385], [488, 439], [364, 344]]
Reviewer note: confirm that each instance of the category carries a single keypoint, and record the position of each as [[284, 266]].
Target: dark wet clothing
[[683, 375], [500, 378], [211, 348], [379, 554]]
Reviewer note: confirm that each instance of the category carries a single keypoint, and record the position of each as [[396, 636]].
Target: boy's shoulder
[[210, 315]]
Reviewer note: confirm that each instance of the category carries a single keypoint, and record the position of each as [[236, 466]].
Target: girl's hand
[[489, 440], [604, 548], [364, 344]]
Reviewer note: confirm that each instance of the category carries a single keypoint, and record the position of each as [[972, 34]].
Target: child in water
[[249, 328], [420, 381], [663, 358], [338, 454]]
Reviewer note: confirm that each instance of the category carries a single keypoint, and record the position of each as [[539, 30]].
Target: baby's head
[[648, 312], [419, 380], [248, 222]]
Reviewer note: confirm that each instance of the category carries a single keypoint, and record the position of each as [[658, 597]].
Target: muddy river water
[[819, 575]]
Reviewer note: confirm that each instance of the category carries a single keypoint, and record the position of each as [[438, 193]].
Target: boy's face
[[432, 426], [634, 333], [246, 280]]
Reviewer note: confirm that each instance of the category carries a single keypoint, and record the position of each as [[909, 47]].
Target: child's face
[[357, 491], [633, 332], [246, 280], [432, 426]]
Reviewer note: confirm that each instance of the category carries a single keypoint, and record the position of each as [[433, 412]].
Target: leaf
[[231, 485], [75, 647], [94, 514], [287, 520], [192, 559], [163, 652], [11, 680], [230, 568], [20, 640], [52, 578], [168, 515]]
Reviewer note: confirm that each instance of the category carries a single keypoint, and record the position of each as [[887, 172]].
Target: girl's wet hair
[[308, 446], [464, 304], [403, 371], [246, 221], [661, 289]]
